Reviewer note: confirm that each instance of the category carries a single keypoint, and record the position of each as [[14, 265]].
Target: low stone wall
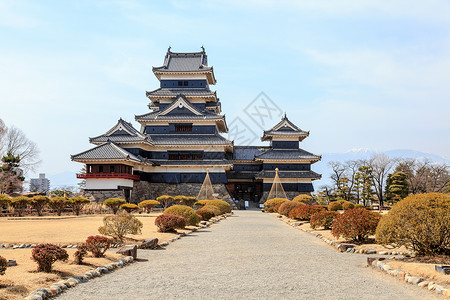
[[144, 190], [100, 196]]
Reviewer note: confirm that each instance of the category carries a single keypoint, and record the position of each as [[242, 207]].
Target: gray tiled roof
[[107, 150], [288, 174], [247, 152], [187, 62], [173, 92], [192, 162], [118, 135], [189, 139], [288, 154], [164, 115]]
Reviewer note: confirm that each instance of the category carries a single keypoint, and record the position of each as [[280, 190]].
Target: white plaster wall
[[107, 183]]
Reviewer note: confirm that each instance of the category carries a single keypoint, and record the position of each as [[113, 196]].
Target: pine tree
[[364, 183], [397, 186]]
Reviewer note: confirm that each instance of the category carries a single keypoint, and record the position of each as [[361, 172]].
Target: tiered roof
[[186, 63], [122, 132], [288, 154], [106, 151], [182, 110], [285, 129]]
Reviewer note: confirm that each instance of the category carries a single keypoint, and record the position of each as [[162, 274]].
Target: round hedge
[[304, 212], [270, 204], [188, 213], [355, 224], [420, 222], [168, 222], [206, 212], [307, 199], [334, 206], [286, 207], [220, 204], [323, 219]]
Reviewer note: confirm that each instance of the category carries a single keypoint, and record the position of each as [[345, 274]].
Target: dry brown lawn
[[424, 270], [67, 229], [22, 279]]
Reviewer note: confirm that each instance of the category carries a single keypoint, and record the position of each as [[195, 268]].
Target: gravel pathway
[[250, 255]]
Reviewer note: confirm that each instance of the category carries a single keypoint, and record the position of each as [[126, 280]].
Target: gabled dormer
[[123, 132], [285, 135]]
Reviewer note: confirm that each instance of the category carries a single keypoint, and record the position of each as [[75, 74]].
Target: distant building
[[41, 184], [180, 139]]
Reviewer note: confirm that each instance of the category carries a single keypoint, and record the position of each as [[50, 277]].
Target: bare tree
[[16, 143], [338, 171], [425, 176], [381, 165], [3, 131]]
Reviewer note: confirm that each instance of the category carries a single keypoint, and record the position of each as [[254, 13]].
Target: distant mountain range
[[322, 167]]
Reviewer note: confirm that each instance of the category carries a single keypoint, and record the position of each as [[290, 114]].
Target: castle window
[[100, 169], [186, 83], [111, 169], [183, 127], [180, 83]]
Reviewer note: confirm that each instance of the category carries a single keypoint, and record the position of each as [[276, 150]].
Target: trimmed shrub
[[355, 224], [5, 201], [215, 209], [307, 199], [148, 205], [77, 204], [304, 212], [39, 203], [118, 226], [188, 213], [46, 254], [420, 222], [58, 204], [206, 212], [20, 204], [98, 245], [347, 205], [3, 265], [80, 254], [286, 207], [185, 200], [270, 204], [220, 204], [358, 205], [114, 203], [323, 219], [165, 200], [168, 222], [334, 206], [129, 207]]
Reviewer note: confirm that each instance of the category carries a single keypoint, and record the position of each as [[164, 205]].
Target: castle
[[180, 139]]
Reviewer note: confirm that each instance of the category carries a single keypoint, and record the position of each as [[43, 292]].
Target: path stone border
[[377, 263], [60, 286], [342, 247]]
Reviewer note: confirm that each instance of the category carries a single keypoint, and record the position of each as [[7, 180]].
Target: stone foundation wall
[[144, 190], [100, 196]]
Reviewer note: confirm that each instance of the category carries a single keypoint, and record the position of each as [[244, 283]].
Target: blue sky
[[357, 74]]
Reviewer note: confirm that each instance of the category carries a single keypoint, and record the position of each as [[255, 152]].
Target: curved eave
[[122, 143], [222, 129], [310, 178], [269, 137], [156, 98], [86, 160], [305, 160], [209, 74]]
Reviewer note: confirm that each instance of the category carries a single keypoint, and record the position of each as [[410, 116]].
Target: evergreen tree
[[397, 186], [364, 184]]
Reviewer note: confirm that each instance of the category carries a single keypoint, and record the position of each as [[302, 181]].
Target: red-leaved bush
[[304, 212], [3, 265], [46, 254], [206, 213], [323, 219], [98, 245], [286, 207], [80, 254], [168, 222], [355, 224]]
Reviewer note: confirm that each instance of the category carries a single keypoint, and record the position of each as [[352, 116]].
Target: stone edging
[[343, 247], [60, 286], [377, 263]]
